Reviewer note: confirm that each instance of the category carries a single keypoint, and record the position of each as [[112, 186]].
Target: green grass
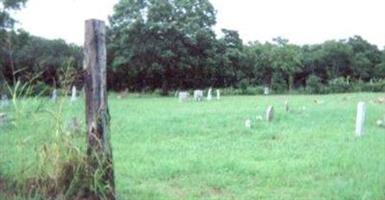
[[164, 149]]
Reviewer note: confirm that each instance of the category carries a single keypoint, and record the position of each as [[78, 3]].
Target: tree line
[[170, 45]]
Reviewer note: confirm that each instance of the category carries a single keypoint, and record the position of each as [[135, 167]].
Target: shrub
[[313, 84], [339, 85], [377, 86], [279, 84], [42, 89], [243, 85]]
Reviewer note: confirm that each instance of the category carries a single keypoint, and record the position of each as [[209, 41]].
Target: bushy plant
[[279, 84], [313, 84], [339, 85], [42, 89], [243, 85]]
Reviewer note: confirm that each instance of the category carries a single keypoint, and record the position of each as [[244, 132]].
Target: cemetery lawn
[[164, 149]]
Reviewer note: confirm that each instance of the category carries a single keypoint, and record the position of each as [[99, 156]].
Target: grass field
[[164, 149]]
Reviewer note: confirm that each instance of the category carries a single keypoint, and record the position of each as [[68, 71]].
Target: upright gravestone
[[198, 95], [183, 96], [287, 106], [73, 96], [209, 95], [360, 119], [248, 123], [218, 94], [269, 114], [3, 119], [4, 101], [266, 91], [54, 95]]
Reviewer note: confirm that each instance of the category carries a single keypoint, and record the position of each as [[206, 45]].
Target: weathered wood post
[[97, 115]]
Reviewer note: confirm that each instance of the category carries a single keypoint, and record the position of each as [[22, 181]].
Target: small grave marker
[[218, 94], [287, 106], [248, 123], [209, 95], [360, 118], [259, 118], [74, 126], [183, 96], [3, 119], [4, 101], [198, 95], [54, 95], [270, 113], [266, 91], [73, 96]]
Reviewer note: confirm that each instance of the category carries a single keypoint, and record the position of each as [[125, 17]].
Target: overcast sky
[[300, 21]]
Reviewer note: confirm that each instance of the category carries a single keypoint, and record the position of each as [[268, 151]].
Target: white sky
[[300, 21]]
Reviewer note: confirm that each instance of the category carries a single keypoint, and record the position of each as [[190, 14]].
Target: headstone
[[269, 114], [4, 101], [287, 106], [360, 119], [74, 126], [248, 123], [183, 96], [209, 95], [73, 96], [3, 119], [218, 94], [266, 91], [198, 95], [54, 95]]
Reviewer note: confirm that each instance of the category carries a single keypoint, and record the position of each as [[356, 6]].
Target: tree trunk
[[97, 114]]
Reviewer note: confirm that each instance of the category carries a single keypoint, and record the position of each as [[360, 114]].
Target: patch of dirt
[[215, 192], [2, 185]]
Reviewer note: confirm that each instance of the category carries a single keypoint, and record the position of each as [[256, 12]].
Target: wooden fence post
[[97, 114]]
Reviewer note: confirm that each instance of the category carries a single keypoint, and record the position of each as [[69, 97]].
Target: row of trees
[[32, 59], [171, 45]]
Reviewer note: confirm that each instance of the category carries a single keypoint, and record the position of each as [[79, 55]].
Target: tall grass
[[57, 165]]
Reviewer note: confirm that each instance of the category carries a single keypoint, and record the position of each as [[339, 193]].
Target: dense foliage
[[170, 45], [31, 59]]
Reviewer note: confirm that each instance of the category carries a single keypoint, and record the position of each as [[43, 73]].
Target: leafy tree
[[6, 25], [287, 60], [366, 57], [6, 21], [157, 41]]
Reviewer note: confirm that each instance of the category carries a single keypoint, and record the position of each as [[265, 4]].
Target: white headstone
[[73, 96], [259, 118], [54, 95], [269, 114], [287, 106], [248, 123], [4, 101], [360, 119], [218, 94], [183, 96], [209, 95], [198, 95], [266, 91], [3, 119]]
